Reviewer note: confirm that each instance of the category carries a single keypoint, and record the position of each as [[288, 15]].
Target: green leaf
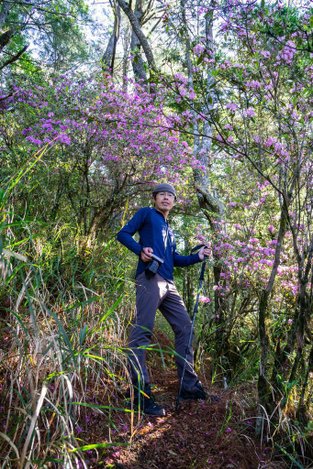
[[112, 309], [97, 446], [83, 334], [106, 407]]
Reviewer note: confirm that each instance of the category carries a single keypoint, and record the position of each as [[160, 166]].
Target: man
[[155, 289]]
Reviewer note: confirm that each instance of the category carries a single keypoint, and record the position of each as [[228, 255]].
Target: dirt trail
[[201, 435]]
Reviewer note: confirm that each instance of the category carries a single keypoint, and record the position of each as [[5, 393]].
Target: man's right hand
[[145, 254]]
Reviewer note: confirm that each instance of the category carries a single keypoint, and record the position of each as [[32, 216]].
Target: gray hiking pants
[[152, 294]]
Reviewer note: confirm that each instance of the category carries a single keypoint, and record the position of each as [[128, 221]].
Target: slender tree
[[109, 55]]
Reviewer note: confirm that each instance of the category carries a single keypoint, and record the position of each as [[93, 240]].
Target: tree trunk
[[126, 49], [296, 334], [264, 391], [134, 19], [108, 57], [209, 202], [135, 47], [303, 406]]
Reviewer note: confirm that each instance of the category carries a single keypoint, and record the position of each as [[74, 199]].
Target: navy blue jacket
[[154, 232]]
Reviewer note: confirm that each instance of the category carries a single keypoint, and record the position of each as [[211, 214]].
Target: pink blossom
[[265, 53], [198, 49], [253, 84], [192, 94], [257, 139], [225, 26], [204, 299], [47, 126], [240, 259], [270, 141], [253, 240], [34, 140], [278, 147], [228, 127], [249, 112], [232, 106], [288, 52]]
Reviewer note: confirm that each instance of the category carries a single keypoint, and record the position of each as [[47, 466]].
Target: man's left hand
[[204, 252]]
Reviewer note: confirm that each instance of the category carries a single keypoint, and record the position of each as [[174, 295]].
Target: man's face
[[164, 201]]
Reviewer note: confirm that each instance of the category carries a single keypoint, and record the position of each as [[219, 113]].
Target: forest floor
[[218, 433], [200, 435]]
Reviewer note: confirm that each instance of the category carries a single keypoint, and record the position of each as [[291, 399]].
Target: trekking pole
[[195, 310]]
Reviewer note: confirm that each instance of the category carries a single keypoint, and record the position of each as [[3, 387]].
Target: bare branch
[[138, 31], [14, 58]]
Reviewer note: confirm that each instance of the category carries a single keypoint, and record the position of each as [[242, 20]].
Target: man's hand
[[145, 254], [204, 252]]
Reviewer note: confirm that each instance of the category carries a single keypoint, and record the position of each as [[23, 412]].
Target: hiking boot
[[151, 408], [147, 405], [196, 392]]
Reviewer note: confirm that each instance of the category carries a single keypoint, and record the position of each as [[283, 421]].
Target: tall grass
[[63, 364]]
